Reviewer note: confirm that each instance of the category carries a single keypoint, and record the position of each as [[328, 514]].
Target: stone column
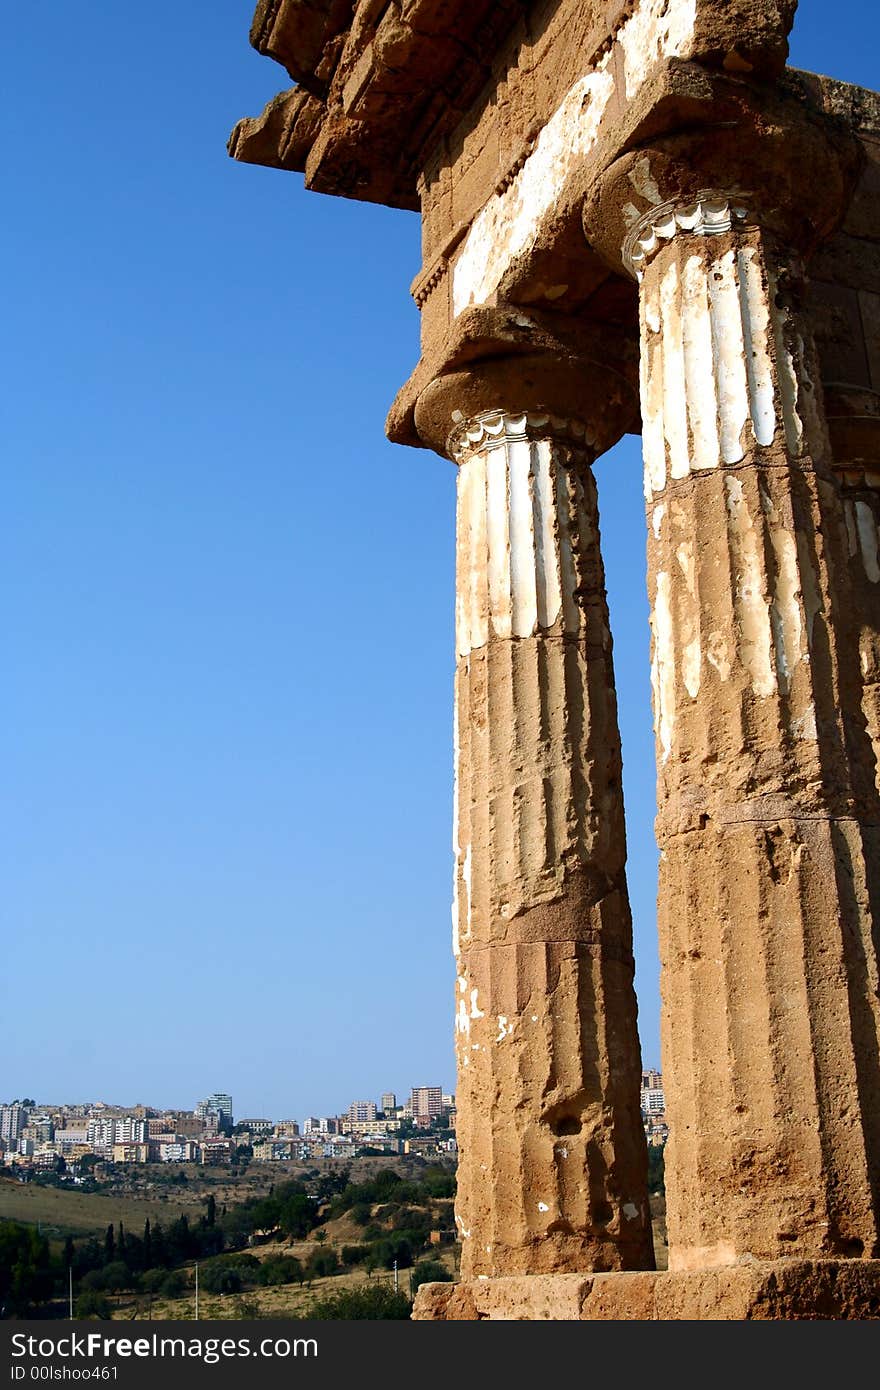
[[767, 805], [552, 1157]]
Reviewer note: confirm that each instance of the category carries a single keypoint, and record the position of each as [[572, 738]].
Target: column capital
[[503, 427], [773, 163], [521, 360], [709, 213]]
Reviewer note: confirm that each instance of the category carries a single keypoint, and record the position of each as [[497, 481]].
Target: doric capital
[[493, 427], [586, 403], [771, 162], [710, 213], [527, 362]]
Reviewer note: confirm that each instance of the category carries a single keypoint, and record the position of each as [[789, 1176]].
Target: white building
[[426, 1102], [653, 1101], [360, 1111], [13, 1119]]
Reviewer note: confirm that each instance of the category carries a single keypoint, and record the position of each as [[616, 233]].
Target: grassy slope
[[80, 1213]]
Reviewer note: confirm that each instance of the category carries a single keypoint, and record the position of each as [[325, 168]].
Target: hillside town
[[73, 1138]]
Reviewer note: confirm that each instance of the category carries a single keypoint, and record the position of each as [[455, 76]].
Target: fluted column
[[552, 1159], [767, 805]]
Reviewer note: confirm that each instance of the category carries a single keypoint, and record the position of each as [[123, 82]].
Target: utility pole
[[396, 1278]]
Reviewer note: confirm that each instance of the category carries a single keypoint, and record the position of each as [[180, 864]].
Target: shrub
[[430, 1272], [153, 1279], [92, 1304], [284, 1270], [354, 1254], [116, 1276], [322, 1263], [375, 1301], [220, 1278]]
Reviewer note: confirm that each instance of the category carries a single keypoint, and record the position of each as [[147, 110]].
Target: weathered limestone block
[[766, 813], [552, 1162], [790, 1290]]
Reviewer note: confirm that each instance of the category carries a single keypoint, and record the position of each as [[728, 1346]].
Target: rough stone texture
[[556, 150], [766, 819], [552, 1162], [390, 83], [794, 1290]]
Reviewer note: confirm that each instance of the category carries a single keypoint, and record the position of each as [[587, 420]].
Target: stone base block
[[780, 1289]]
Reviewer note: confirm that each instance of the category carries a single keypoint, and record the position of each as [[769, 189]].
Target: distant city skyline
[[402, 1095]]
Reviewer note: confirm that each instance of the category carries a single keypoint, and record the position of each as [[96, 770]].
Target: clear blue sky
[[226, 601]]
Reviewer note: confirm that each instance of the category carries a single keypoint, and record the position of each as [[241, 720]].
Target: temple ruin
[[618, 200]]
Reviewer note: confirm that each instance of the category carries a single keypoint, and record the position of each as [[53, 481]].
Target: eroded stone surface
[[765, 816], [552, 1164], [791, 1290]]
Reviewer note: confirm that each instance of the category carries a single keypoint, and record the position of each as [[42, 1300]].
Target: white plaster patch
[[867, 533], [542, 1206], [759, 368], [476, 1011], [852, 537], [728, 352], [699, 378], [658, 28], [805, 726], [571, 613], [691, 660], [548, 585], [651, 365], [675, 425], [466, 873], [663, 666], [717, 654], [684, 554], [499, 540], [523, 586], [810, 596], [657, 519], [479, 554], [643, 181], [689, 621], [508, 224], [504, 1028], [456, 830], [785, 611], [753, 620], [786, 375]]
